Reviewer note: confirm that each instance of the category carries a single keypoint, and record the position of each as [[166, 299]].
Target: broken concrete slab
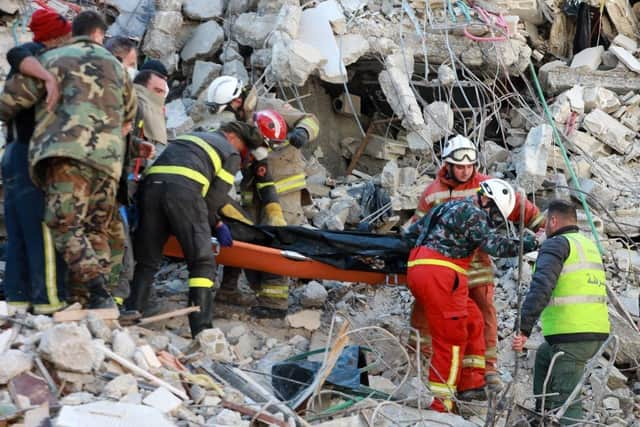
[[531, 165], [121, 386], [288, 20], [252, 30], [352, 47], [203, 74], [215, 345], [307, 319], [439, 119], [123, 344], [103, 414], [203, 10], [492, 153], [589, 58], [626, 58], [293, 60], [204, 42], [560, 78], [631, 118], [609, 131], [582, 142], [69, 347], [14, 362], [599, 97], [622, 17], [236, 69], [133, 18], [163, 400], [316, 30], [9, 7], [625, 42], [178, 121]]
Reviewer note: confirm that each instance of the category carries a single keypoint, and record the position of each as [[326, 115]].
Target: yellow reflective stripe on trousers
[[294, 182], [473, 361], [455, 365], [50, 273], [274, 291], [200, 282], [438, 262], [578, 299], [181, 170], [118, 300]]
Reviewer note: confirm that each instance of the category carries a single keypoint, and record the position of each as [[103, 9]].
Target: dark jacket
[[551, 257], [189, 155], [20, 128]]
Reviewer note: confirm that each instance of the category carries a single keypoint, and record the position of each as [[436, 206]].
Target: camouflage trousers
[[81, 211]]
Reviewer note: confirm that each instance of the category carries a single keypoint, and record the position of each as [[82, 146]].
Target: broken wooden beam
[[169, 315], [76, 315]]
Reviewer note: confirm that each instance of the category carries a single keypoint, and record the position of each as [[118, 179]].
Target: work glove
[[224, 235], [530, 243], [298, 137], [273, 214]]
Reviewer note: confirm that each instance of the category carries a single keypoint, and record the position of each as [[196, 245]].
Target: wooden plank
[[169, 315], [76, 315]]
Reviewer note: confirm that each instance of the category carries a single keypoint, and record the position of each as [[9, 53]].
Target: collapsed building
[[548, 92]]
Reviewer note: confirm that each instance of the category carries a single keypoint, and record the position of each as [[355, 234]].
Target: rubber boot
[[139, 295], [473, 394], [201, 320], [230, 293], [99, 297], [267, 313]]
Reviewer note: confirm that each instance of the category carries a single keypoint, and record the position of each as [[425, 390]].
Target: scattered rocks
[[69, 347], [14, 362], [307, 319], [123, 344], [314, 295], [215, 345], [120, 387], [203, 10], [205, 40]]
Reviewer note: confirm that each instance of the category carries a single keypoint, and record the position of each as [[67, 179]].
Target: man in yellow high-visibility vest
[[568, 292]]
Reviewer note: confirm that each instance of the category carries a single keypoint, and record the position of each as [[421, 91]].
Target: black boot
[[99, 297], [198, 321], [140, 291]]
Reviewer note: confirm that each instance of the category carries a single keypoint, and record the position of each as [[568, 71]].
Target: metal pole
[[546, 381]]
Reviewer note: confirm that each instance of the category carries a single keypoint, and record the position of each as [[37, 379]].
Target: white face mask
[[132, 72]]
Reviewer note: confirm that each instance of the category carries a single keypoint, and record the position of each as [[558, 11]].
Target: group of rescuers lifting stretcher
[[449, 271], [185, 193]]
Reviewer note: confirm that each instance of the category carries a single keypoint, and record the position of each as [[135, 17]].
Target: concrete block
[[132, 19], [601, 98], [204, 42], [352, 47], [314, 295], [531, 165], [609, 131], [631, 118], [626, 58], [626, 43], [69, 347], [528, 10], [236, 69], [163, 400], [14, 362], [203, 10], [103, 414], [177, 119], [293, 60], [582, 142], [123, 344], [589, 58], [121, 386], [215, 345], [252, 30], [575, 97], [493, 153], [439, 119], [203, 74], [558, 78], [288, 20], [307, 319]]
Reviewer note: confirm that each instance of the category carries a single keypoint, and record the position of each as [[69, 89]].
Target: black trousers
[[169, 208]]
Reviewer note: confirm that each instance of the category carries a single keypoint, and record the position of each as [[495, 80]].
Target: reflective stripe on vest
[[579, 301], [181, 170], [291, 183], [193, 174], [438, 262]]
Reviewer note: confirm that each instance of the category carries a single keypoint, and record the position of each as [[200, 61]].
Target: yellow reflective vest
[[579, 301]]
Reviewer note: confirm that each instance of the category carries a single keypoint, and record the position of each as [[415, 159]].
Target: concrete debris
[[163, 400], [102, 414], [215, 345], [307, 319], [14, 362], [203, 10], [236, 69], [203, 74], [532, 162], [252, 30], [314, 295], [609, 131], [205, 40], [132, 19], [120, 387], [69, 347], [589, 58]]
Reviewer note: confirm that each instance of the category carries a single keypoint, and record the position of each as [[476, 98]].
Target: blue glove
[[298, 137], [530, 243], [224, 235]]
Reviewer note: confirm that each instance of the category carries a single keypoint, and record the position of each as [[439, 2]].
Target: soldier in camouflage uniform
[[76, 152], [437, 276]]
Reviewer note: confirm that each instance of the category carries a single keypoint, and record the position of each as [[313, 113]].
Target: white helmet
[[223, 90], [501, 193], [460, 151]]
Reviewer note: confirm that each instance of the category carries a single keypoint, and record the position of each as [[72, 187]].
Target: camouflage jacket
[[97, 98], [458, 228]]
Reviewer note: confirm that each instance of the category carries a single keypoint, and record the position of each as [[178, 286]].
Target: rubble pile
[[390, 81]]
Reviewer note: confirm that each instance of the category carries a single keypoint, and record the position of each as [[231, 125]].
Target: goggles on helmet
[[464, 154]]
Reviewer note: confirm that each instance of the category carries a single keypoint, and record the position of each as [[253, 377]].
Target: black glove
[[298, 137], [224, 235], [530, 242]]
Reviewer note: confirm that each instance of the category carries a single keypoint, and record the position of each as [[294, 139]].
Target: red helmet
[[271, 125]]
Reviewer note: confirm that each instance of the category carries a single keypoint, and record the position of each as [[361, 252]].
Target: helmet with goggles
[[272, 127], [222, 91], [460, 151]]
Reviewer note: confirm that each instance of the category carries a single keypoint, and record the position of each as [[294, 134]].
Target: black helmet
[[249, 134]]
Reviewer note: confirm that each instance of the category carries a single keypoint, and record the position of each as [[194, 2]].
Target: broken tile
[[163, 400], [307, 319]]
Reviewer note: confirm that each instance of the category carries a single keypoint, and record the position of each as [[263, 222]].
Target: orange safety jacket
[[444, 188]]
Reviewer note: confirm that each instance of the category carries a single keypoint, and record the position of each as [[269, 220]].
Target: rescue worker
[[34, 274], [76, 151], [126, 51], [437, 277], [286, 164], [568, 292], [182, 194], [457, 179]]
